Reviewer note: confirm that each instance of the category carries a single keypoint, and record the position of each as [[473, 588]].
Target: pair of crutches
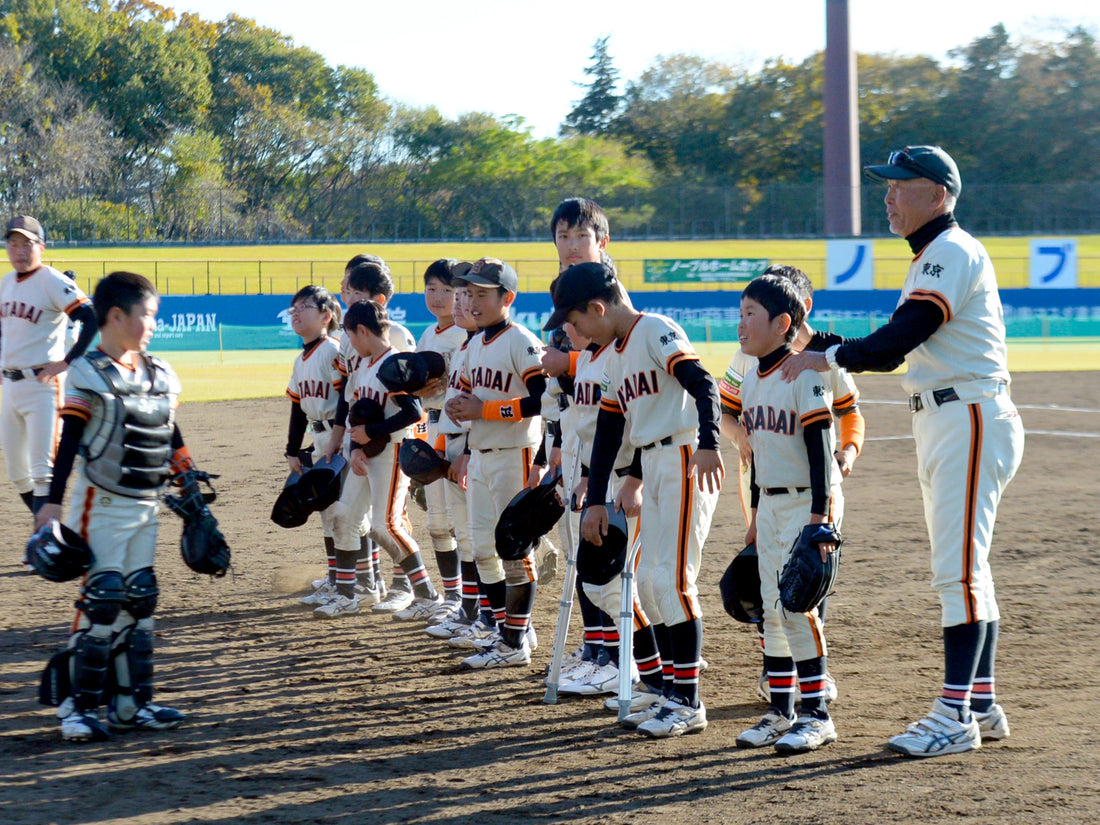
[[565, 611]]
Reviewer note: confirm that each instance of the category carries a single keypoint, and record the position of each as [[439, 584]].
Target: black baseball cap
[[489, 272], [25, 225], [576, 287], [929, 162]]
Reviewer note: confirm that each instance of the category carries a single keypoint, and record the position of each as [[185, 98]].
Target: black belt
[[622, 472], [553, 428], [453, 435], [433, 416], [782, 491], [18, 375], [941, 397], [664, 442], [321, 426]]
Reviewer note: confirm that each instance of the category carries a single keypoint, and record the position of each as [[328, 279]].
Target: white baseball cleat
[[338, 605], [500, 654], [993, 723], [674, 719], [395, 601], [938, 734], [419, 610], [320, 595], [808, 733], [769, 730]]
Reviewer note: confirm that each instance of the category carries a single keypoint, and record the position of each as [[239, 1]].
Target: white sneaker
[[830, 689], [599, 680], [642, 696], [469, 636], [808, 733], [993, 724], [769, 730], [531, 638], [82, 727], [499, 655], [764, 689], [445, 610], [937, 734], [577, 672], [367, 596], [316, 584], [320, 595], [643, 715], [338, 605], [395, 600], [447, 629], [547, 557], [674, 719], [419, 610], [147, 717]]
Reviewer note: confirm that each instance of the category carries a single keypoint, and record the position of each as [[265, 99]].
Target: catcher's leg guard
[[102, 596], [91, 650], [141, 593], [132, 668]]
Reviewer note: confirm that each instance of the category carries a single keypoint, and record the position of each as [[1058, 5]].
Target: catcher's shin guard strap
[[88, 673], [132, 661]]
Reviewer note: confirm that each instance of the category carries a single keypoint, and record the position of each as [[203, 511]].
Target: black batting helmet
[[529, 516], [367, 411], [58, 553], [740, 587], [599, 565], [319, 487], [289, 511], [421, 462]]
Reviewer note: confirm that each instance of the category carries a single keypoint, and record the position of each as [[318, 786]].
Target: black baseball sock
[[962, 648], [687, 650], [470, 589], [984, 694], [414, 568], [519, 601], [781, 680], [811, 683]]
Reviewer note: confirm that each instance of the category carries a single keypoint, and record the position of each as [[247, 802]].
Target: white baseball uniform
[[34, 310], [775, 413]]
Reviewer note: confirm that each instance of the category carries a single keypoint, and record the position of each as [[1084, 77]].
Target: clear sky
[[526, 57]]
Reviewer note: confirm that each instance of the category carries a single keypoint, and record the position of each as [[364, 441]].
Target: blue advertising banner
[[262, 321]]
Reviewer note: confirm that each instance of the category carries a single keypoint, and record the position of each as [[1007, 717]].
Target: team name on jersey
[[313, 389], [781, 422], [373, 394], [637, 385], [586, 393], [491, 379], [20, 309]]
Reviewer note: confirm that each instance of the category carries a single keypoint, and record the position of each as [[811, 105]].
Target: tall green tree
[[594, 113]]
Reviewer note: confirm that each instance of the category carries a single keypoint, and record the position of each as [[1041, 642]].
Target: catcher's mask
[[740, 587], [529, 516], [599, 565], [420, 461], [58, 553]]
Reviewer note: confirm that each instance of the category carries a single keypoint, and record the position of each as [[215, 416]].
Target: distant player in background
[[36, 305]]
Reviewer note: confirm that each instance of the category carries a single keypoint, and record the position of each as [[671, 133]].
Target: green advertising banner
[[704, 270]]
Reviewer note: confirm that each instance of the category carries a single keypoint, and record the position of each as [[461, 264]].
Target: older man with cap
[[949, 329], [36, 304]]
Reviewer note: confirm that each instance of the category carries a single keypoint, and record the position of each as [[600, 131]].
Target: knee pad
[[132, 655], [102, 596], [88, 669], [141, 593], [518, 572]]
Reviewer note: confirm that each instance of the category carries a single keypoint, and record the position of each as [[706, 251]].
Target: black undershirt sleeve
[[817, 448], [297, 429], [341, 416], [885, 349], [85, 315], [531, 406], [408, 413], [701, 386], [72, 427], [610, 427]]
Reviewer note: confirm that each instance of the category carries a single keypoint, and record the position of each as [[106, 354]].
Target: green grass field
[[249, 270], [214, 376]]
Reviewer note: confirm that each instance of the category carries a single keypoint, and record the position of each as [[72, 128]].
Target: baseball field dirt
[[365, 720]]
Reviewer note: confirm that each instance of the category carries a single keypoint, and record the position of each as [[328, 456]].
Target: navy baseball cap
[[25, 225], [929, 162], [576, 287], [489, 272]]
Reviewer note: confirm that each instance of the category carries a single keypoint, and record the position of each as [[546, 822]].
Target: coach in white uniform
[[949, 328], [36, 304]]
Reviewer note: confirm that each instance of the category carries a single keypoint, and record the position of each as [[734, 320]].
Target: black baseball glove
[[202, 544], [806, 579]]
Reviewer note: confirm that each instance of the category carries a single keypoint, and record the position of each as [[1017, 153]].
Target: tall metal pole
[[842, 201]]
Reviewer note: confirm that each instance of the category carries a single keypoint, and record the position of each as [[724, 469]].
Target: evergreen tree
[[593, 114]]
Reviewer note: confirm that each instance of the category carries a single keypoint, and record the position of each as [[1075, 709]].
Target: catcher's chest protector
[[129, 451]]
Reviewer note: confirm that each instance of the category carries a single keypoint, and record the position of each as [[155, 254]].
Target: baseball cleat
[[367, 596], [769, 730], [500, 654], [808, 733], [675, 719], [320, 595], [644, 714], [547, 557], [642, 696], [993, 723], [83, 727], [395, 601], [419, 610], [446, 610], [449, 628], [148, 717], [338, 605], [601, 679], [938, 734], [468, 637]]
